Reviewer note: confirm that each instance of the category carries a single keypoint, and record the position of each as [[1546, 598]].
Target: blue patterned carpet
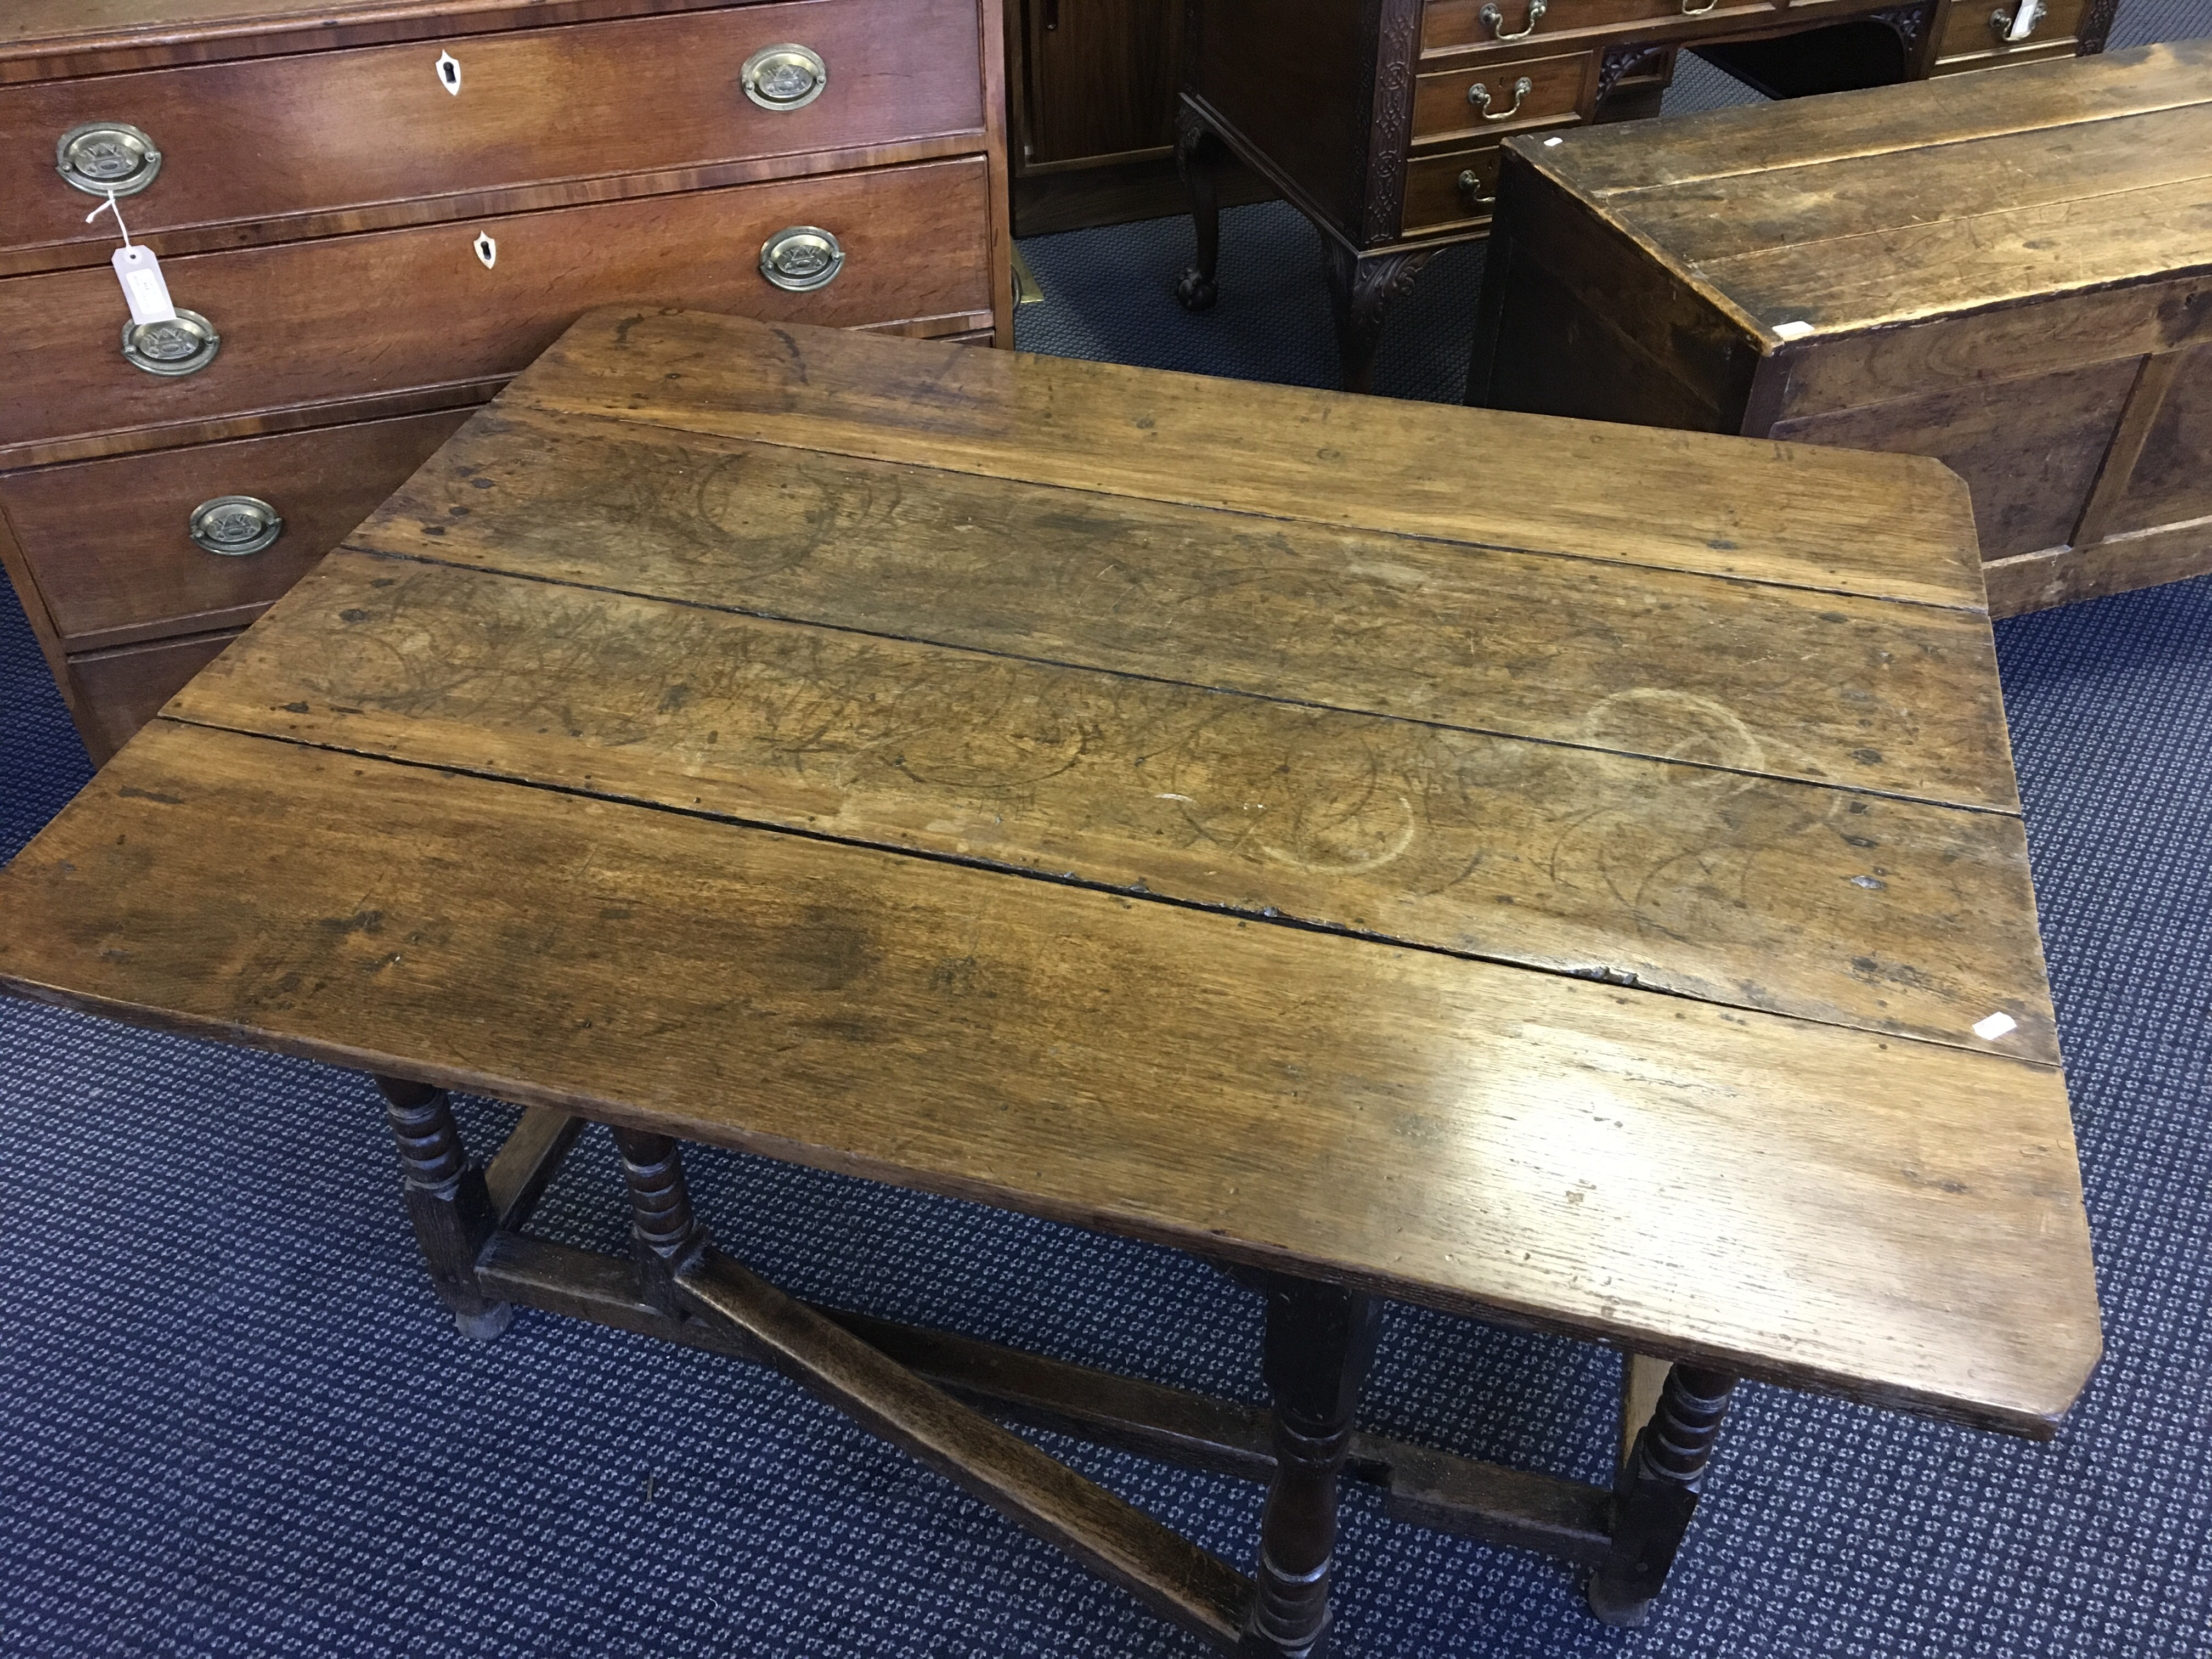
[[234, 1420]]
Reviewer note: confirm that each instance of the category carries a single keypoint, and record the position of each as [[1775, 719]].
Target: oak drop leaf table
[[1174, 807]]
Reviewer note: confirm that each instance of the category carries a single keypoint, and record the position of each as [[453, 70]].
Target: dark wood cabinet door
[[1100, 79]]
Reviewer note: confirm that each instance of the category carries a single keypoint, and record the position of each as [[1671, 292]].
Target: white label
[[1994, 1027], [1792, 331], [449, 73], [144, 288], [1553, 143]]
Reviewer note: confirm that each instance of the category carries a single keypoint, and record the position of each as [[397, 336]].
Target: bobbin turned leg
[[1320, 1343], [1657, 1493], [447, 1201], [663, 1233]]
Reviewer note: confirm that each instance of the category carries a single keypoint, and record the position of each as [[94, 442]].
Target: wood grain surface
[[1612, 162], [1829, 904], [1884, 527], [1899, 1221], [1265, 882], [1768, 678]]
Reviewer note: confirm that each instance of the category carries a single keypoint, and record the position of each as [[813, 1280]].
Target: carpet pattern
[[234, 1419]]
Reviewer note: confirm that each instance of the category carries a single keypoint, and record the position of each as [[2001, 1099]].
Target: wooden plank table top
[[1178, 808]]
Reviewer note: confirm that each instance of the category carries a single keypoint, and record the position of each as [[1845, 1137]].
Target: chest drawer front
[[317, 322], [118, 691], [1470, 103], [1450, 192], [109, 543], [1526, 24], [325, 132]]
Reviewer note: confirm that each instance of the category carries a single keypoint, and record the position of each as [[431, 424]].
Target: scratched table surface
[[1555, 872]]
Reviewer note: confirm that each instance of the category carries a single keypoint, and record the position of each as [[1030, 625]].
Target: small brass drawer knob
[[101, 156], [235, 525], [784, 77], [183, 347], [801, 258]]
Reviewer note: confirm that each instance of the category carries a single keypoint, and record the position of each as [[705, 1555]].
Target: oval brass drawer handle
[[801, 258], [183, 347], [235, 525], [101, 156], [1479, 95], [784, 77], [1491, 14]]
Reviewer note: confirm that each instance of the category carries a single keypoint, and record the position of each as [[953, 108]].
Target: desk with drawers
[[370, 218], [1381, 122]]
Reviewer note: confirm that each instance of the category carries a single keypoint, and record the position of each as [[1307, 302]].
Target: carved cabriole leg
[[1361, 288], [1320, 1343], [1658, 1494], [663, 1233], [1198, 159], [448, 1202]]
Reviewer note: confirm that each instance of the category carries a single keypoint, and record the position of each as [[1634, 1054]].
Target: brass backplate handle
[[235, 525], [100, 156], [801, 258], [784, 77], [1479, 95], [184, 346], [1491, 15]]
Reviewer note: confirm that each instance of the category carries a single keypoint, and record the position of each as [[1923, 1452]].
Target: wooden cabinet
[[1382, 121], [372, 221], [2008, 274]]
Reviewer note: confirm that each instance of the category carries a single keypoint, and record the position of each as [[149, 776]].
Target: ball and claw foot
[[483, 1326], [1196, 291], [1610, 1608]]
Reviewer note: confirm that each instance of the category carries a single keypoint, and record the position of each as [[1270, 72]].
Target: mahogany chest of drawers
[[1380, 120], [369, 217], [2013, 274]]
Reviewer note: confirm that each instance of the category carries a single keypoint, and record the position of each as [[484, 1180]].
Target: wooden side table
[[1381, 122], [2015, 278], [1179, 808]]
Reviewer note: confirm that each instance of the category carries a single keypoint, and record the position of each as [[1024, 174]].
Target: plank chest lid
[[1874, 209]]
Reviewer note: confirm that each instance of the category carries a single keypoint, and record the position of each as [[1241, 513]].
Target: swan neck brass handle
[[1470, 183], [1479, 95], [2018, 23], [784, 77], [101, 156], [235, 525], [1689, 10], [1491, 15]]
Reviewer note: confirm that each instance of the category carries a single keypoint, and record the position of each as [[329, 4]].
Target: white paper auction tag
[[143, 286]]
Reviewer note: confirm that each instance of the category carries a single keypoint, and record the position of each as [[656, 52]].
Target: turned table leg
[[1198, 159], [1658, 1492], [1360, 290], [1319, 1342], [664, 1234], [446, 1201]]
